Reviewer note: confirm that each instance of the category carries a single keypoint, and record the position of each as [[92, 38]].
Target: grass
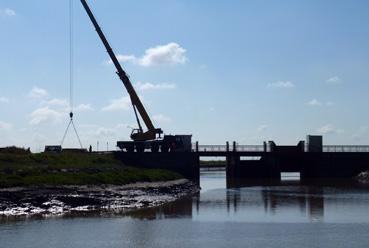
[[212, 163], [27, 169]]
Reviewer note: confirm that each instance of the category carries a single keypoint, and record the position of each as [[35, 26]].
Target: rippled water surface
[[290, 214]]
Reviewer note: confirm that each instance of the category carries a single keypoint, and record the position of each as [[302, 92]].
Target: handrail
[[261, 148]]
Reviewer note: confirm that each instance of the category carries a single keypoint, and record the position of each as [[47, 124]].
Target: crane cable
[[71, 75], [71, 53]]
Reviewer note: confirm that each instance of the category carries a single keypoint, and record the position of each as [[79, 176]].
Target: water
[[286, 215]]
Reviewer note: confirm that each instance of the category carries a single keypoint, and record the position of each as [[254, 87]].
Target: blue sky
[[221, 70]]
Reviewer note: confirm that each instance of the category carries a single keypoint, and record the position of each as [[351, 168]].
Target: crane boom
[[140, 135]]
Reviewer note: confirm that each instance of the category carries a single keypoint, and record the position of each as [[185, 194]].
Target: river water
[[284, 215]]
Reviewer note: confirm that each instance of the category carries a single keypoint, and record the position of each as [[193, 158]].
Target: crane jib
[[136, 102]]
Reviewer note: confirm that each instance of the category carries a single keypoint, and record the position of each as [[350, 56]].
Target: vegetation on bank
[[19, 167], [213, 163]]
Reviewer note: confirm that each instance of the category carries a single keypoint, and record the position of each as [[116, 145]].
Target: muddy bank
[[69, 199]]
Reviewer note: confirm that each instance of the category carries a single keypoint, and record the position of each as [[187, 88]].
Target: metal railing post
[[227, 146], [234, 146], [197, 146]]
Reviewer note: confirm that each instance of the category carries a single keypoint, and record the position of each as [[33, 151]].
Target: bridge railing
[[225, 148], [345, 148], [250, 148], [211, 148], [261, 148]]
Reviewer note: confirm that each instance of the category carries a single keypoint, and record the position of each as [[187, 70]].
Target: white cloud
[[329, 129], [51, 109], [123, 103], [203, 66], [7, 12], [161, 118], [5, 125], [84, 108], [4, 99], [262, 128], [38, 93], [329, 103], [45, 114], [281, 84], [334, 80], [64, 103], [101, 132], [57, 102], [314, 102], [123, 58], [149, 86], [360, 133], [105, 132], [169, 54]]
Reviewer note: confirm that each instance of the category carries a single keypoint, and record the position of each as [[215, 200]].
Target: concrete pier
[[309, 165]]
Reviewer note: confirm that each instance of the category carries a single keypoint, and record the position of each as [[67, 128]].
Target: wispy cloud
[[124, 58], [7, 12], [46, 115], [329, 103], [123, 103], [5, 125], [169, 54], [262, 128], [4, 99], [314, 102], [57, 102], [105, 132], [50, 109], [83, 108], [37, 93], [160, 118], [150, 86], [361, 133], [100, 132], [281, 84], [334, 80], [329, 129]]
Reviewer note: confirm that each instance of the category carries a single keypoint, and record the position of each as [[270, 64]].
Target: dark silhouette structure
[[311, 159]]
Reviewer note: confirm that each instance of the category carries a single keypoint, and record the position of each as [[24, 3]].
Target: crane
[[141, 140], [137, 134]]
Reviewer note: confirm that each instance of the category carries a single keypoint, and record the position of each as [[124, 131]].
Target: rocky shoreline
[[61, 200]]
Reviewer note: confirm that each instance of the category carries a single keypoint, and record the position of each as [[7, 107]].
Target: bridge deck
[[258, 150], [225, 153]]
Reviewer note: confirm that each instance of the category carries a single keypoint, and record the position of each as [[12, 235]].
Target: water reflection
[[271, 201], [258, 202], [235, 216], [181, 208]]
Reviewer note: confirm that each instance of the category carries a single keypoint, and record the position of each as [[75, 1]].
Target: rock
[[363, 177]]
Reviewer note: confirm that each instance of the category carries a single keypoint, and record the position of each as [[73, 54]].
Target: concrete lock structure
[[311, 159]]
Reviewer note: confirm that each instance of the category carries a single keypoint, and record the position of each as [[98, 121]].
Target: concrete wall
[[310, 165], [184, 163], [333, 164], [314, 143]]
